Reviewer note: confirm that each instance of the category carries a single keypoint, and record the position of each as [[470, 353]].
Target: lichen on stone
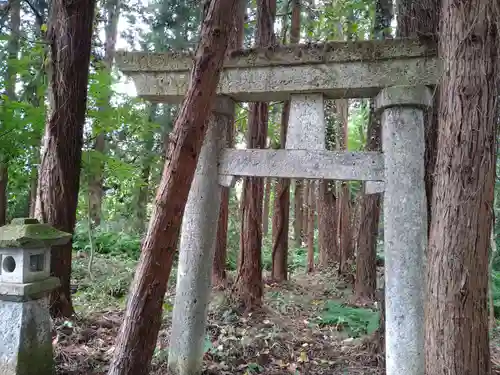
[[296, 54], [29, 233]]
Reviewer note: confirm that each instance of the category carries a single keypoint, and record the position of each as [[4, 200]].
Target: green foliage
[[108, 287], [356, 321], [107, 242], [340, 19]]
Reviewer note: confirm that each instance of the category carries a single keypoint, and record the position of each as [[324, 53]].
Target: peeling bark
[[457, 339], [69, 35]]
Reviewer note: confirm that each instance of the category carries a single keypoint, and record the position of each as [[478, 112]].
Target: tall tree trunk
[[249, 281], [327, 202], [69, 35], [420, 19], [310, 225], [298, 212], [457, 339], [10, 87], [305, 208], [327, 225], [219, 264], [142, 197], [379, 336], [96, 192], [138, 333], [265, 212], [4, 180], [33, 185], [37, 100], [143, 190], [366, 257], [281, 213], [344, 201]]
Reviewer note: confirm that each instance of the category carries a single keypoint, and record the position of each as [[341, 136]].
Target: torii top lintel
[[337, 69]]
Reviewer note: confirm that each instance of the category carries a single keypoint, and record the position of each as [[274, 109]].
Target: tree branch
[[38, 15]]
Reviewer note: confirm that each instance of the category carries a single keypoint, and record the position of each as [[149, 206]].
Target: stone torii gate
[[397, 73]]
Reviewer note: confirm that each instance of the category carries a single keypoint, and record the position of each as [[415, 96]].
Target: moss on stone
[[282, 55], [24, 220], [28, 233], [36, 359]]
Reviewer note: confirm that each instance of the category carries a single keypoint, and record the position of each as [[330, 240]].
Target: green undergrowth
[[122, 244], [355, 321], [106, 287], [495, 279], [108, 242], [117, 251]]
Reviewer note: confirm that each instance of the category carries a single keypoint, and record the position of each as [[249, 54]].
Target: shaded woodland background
[[325, 237]]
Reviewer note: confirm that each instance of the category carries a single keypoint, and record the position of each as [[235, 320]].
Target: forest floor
[[306, 327]]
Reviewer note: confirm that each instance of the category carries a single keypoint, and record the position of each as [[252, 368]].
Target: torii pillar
[[405, 225]]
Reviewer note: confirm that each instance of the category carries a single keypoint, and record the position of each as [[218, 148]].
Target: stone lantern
[[25, 282]]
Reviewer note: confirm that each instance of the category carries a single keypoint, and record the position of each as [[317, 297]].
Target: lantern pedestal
[[25, 282]]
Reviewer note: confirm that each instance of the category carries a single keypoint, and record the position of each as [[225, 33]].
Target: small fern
[[355, 321]]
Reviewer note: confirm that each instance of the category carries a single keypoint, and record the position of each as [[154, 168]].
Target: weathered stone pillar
[[306, 126], [197, 247], [25, 281], [405, 225]]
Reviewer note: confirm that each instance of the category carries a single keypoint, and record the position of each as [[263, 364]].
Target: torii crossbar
[[395, 72]]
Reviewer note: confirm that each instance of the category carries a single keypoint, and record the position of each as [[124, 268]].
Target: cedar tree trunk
[[4, 180], [327, 225], [457, 341], [310, 225], [143, 188], [420, 19], [138, 334], [366, 257], [281, 215], [219, 264], [249, 280], [298, 211], [305, 208], [327, 200], [69, 36], [265, 212], [344, 201], [10, 83]]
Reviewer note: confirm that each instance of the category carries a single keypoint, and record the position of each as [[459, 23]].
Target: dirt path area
[[305, 328], [292, 334]]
